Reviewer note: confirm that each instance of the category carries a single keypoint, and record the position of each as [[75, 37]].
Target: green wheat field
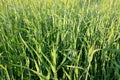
[[59, 39]]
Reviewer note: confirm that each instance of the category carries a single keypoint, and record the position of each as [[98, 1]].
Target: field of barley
[[59, 39]]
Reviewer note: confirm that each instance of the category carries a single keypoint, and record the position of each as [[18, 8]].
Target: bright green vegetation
[[59, 39]]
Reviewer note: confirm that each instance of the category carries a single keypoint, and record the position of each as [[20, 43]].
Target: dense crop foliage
[[59, 39]]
